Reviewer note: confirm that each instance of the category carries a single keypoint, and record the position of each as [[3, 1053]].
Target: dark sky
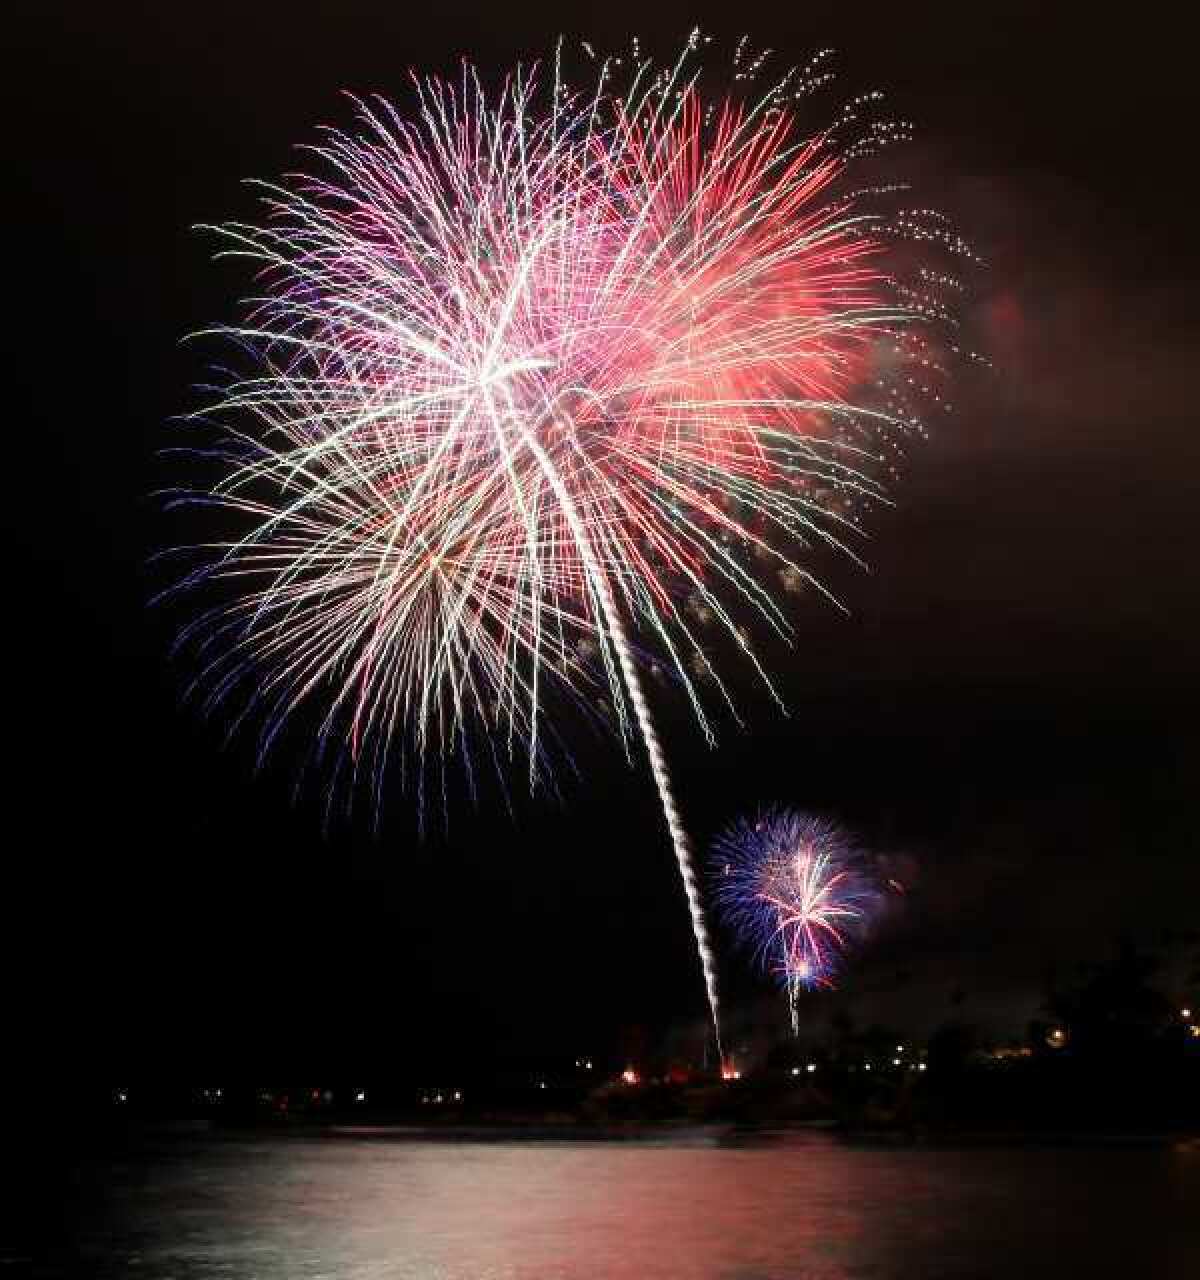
[[1010, 708]]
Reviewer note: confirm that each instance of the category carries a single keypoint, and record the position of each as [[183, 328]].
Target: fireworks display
[[541, 386], [796, 892]]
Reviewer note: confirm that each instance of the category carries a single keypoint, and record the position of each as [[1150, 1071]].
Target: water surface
[[805, 1208]]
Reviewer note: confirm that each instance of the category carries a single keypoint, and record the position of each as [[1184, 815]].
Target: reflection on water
[[802, 1208]]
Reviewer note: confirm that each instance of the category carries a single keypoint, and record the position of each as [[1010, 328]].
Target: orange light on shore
[[730, 1073], [629, 1075]]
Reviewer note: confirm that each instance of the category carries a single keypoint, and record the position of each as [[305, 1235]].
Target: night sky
[[1009, 711]]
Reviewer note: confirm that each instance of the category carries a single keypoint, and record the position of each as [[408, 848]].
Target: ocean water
[[805, 1208]]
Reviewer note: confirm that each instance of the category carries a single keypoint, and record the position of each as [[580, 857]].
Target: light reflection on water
[[801, 1208]]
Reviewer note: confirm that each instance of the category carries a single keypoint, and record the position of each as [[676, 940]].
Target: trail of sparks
[[542, 381]]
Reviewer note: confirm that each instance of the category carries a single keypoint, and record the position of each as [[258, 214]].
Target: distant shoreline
[[682, 1134]]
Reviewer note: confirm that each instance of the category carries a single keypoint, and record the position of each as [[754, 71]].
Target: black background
[[1009, 710]]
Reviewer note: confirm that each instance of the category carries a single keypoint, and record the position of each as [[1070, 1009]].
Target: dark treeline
[[1114, 1048]]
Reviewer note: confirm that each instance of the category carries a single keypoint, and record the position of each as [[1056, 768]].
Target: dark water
[[808, 1208]]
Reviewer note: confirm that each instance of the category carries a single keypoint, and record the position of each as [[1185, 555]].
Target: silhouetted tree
[[1115, 1011]]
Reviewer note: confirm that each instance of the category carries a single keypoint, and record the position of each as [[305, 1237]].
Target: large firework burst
[[796, 892], [541, 382]]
